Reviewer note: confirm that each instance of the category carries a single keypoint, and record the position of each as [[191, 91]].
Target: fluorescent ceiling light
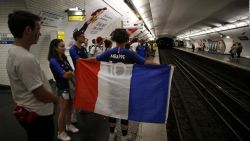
[[217, 29], [240, 24], [208, 30], [74, 9], [123, 8], [224, 28], [139, 5], [230, 26], [217, 24]]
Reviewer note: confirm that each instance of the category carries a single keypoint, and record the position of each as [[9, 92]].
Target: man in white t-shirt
[[134, 44], [30, 88], [98, 48]]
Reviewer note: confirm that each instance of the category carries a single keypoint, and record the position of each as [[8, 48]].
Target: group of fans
[[100, 45], [134, 52]]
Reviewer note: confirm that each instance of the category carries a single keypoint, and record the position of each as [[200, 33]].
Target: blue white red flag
[[126, 91]]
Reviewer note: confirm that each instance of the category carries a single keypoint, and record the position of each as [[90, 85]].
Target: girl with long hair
[[62, 72]]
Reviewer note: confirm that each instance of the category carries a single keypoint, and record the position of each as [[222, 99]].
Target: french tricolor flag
[[126, 91]]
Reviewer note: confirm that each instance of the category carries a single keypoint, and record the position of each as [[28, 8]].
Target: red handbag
[[23, 115]]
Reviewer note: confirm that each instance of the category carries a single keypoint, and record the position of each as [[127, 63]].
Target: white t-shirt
[[95, 51], [134, 46], [26, 74]]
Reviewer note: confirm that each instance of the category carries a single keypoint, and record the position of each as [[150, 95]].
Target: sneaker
[[71, 128], [63, 136], [111, 136]]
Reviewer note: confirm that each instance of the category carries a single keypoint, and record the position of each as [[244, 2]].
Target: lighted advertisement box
[[6, 38], [61, 35], [76, 16]]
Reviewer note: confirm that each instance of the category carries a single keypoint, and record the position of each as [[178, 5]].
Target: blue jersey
[[141, 50], [58, 67], [76, 53], [122, 55]]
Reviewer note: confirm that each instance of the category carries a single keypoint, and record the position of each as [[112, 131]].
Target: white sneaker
[[63, 136], [71, 128], [111, 136]]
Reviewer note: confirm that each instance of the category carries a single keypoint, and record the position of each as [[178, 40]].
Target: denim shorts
[[64, 93]]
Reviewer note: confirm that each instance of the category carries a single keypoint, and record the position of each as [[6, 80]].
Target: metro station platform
[[241, 63]]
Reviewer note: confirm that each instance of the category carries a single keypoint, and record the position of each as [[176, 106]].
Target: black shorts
[[64, 93]]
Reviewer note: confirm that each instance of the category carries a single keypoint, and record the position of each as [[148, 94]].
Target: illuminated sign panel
[[61, 35], [74, 18]]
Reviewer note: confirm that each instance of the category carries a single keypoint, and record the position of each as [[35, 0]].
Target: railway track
[[201, 110]]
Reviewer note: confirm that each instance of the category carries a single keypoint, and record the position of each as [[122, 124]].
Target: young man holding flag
[[120, 55]]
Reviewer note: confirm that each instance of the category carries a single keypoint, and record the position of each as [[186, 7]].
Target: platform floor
[[93, 127], [242, 62]]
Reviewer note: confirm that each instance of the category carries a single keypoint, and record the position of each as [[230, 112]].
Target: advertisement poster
[[97, 22], [6, 38], [100, 21]]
